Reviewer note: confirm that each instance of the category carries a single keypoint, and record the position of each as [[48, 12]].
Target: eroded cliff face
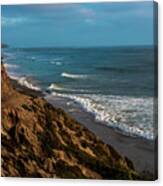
[[39, 140], [6, 88]]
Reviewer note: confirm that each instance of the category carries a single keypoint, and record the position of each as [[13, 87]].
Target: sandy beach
[[142, 152], [79, 91], [42, 140]]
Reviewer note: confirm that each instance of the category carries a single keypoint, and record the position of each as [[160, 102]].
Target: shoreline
[[42, 141], [142, 152], [26, 90]]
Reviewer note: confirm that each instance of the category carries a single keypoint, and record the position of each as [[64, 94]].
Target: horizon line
[[102, 46]]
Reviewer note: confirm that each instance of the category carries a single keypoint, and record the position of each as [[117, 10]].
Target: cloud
[[120, 10], [87, 12], [11, 21], [88, 15]]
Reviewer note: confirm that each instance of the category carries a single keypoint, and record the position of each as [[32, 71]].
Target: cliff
[[6, 88], [39, 140]]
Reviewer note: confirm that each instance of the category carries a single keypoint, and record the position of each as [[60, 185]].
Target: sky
[[78, 25]]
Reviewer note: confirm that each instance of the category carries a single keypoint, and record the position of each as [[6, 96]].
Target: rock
[[5, 85]]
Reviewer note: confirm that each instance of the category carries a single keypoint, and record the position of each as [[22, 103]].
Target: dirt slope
[[39, 140]]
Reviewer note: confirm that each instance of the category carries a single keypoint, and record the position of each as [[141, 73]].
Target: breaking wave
[[120, 112], [24, 82], [58, 87], [9, 66], [74, 76], [58, 63], [54, 86]]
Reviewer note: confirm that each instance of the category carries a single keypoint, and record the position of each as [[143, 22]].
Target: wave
[[74, 76], [6, 65], [58, 63], [24, 82], [13, 76], [59, 87], [134, 119], [54, 86], [33, 58], [9, 55]]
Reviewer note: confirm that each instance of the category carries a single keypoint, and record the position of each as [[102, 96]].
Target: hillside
[[39, 140]]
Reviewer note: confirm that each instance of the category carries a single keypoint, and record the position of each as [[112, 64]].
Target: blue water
[[116, 84]]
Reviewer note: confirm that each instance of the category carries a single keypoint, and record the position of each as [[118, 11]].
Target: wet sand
[[142, 152]]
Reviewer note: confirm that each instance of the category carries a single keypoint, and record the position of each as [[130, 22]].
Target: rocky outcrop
[[39, 140], [5, 86]]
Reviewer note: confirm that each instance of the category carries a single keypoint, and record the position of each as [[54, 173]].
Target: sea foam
[[121, 112], [58, 63], [9, 66], [54, 86], [74, 76], [58, 87], [24, 82]]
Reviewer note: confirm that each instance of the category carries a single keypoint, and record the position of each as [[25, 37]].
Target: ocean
[[114, 84]]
